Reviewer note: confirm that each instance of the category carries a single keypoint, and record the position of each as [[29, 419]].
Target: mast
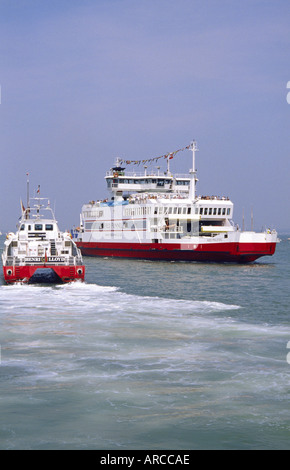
[[27, 190], [192, 171]]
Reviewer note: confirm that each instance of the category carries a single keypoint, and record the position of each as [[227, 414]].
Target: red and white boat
[[158, 216], [39, 252]]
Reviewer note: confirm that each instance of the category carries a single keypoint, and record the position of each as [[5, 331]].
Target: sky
[[86, 81]]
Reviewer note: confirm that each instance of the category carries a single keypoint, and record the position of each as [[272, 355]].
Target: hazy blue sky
[[85, 81]]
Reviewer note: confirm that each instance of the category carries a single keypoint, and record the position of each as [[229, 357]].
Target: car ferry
[[39, 252], [158, 216]]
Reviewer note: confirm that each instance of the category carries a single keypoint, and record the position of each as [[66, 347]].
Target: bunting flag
[[22, 206], [169, 155]]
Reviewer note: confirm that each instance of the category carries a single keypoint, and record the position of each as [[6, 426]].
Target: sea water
[[149, 355]]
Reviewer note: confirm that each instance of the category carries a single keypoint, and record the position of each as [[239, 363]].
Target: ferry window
[[219, 211], [228, 211], [196, 210], [179, 210], [22, 227], [153, 181], [184, 210], [189, 210], [214, 211], [131, 181], [210, 211], [224, 211], [205, 211], [175, 210], [170, 210], [38, 227], [49, 227], [201, 210], [29, 227]]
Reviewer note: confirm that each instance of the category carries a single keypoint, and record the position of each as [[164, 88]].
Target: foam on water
[[102, 304], [128, 368], [73, 297]]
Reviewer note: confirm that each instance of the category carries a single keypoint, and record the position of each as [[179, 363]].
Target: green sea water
[[149, 355]]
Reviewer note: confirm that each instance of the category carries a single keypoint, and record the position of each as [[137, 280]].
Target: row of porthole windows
[[167, 210], [37, 227], [159, 182], [214, 211], [179, 210], [131, 211], [93, 213], [202, 210]]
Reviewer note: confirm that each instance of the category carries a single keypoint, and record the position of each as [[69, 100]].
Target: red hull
[[63, 274], [218, 252]]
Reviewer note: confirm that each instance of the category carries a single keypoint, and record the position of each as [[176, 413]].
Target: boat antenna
[[192, 171]]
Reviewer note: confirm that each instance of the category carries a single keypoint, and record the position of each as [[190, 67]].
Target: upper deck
[[38, 220], [119, 181]]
